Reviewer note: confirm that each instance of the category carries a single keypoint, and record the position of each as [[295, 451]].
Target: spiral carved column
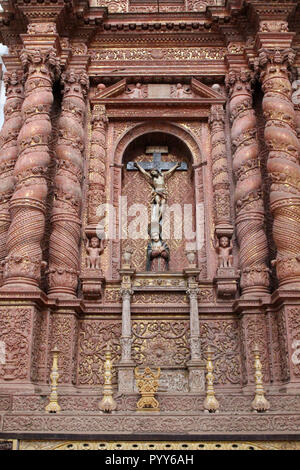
[[283, 162], [9, 152], [24, 261], [248, 192], [220, 181], [96, 191], [65, 219]]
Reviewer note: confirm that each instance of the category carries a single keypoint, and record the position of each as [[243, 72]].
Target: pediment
[[158, 91]]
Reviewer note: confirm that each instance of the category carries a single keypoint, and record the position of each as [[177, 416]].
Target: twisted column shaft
[[65, 218], [96, 190], [24, 260], [283, 162], [248, 191], [9, 152], [220, 180]]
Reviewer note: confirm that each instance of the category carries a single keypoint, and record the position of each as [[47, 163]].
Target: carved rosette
[[220, 181], [283, 162], [24, 260], [65, 218], [248, 191], [96, 190], [9, 152]]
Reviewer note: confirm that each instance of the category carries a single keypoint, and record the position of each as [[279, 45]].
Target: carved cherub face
[[95, 242], [224, 242], [138, 85], [179, 86]]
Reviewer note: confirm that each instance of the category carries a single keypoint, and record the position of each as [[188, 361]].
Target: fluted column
[[9, 152], [126, 364], [220, 179], [126, 338], [28, 203], [65, 218], [248, 191], [283, 161]]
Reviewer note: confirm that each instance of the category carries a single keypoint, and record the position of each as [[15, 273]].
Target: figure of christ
[[158, 254], [157, 180]]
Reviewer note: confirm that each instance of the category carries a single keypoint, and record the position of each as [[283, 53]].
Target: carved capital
[[40, 62], [75, 81], [239, 80], [126, 293], [274, 57], [193, 293]]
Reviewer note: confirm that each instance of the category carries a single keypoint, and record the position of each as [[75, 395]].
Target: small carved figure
[[182, 92], [223, 246], [94, 249], [158, 254], [135, 92]]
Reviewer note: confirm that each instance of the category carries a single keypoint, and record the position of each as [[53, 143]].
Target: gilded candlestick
[[211, 404], [260, 403], [53, 406], [107, 404]]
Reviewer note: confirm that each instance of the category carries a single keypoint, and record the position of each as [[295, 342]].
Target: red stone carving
[[9, 152], [97, 169], [283, 162], [248, 193], [65, 219], [24, 261]]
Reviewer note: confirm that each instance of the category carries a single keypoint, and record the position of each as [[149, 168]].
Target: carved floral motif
[[160, 342], [93, 338]]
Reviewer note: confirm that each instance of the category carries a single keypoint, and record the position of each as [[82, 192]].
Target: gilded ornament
[[53, 406], [147, 384], [210, 404], [107, 404], [260, 403]]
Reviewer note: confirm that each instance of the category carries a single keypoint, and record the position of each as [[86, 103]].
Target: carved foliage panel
[[161, 342], [293, 320], [64, 332], [15, 333], [93, 338], [254, 331], [223, 338], [39, 370]]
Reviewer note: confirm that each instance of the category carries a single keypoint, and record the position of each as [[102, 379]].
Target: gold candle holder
[[211, 404], [107, 404], [53, 406], [260, 403]]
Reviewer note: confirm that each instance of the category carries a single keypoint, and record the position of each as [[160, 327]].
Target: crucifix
[[156, 173]]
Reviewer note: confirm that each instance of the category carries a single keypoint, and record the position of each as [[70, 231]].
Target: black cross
[[157, 162]]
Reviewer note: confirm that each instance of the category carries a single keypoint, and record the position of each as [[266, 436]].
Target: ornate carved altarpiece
[[96, 91]]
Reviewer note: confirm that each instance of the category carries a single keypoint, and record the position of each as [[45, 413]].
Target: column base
[[20, 284], [126, 376], [196, 368], [62, 292]]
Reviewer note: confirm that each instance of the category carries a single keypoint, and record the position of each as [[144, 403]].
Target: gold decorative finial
[[53, 406], [211, 404], [147, 384], [260, 403], [107, 404]]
